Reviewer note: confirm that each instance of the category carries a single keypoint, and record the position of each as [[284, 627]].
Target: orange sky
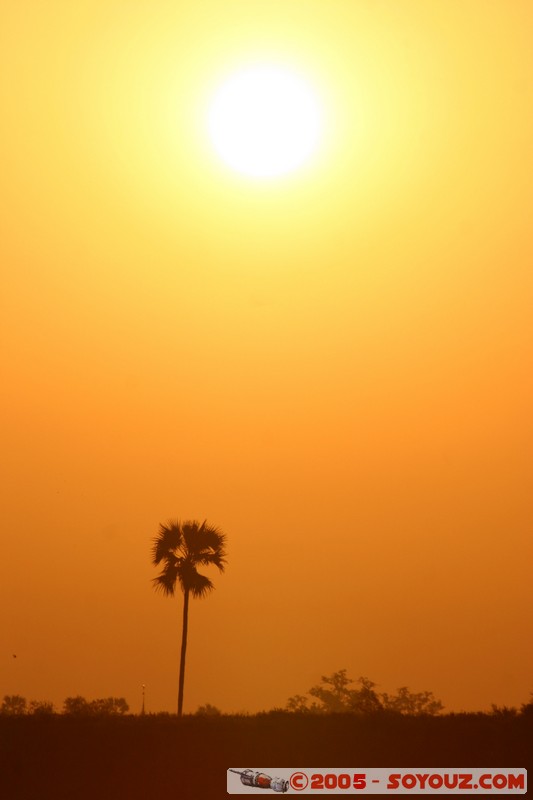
[[334, 367]]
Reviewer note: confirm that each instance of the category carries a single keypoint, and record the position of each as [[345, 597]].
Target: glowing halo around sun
[[265, 121]]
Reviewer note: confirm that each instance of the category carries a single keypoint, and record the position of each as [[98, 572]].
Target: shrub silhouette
[[503, 711], [335, 695], [208, 711], [109, 706], [527, 708]]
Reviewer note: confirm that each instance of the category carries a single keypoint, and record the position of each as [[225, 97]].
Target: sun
[[265, 121]]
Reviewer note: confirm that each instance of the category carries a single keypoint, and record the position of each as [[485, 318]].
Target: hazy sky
[[334, 367]]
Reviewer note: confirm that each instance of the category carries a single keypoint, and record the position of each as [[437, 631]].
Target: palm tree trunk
[[183, 650]]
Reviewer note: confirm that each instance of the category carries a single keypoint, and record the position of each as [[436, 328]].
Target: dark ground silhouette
[[131, 757]]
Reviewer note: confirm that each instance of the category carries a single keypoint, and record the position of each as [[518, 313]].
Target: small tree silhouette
[[77, 706], [335, 695], [299, 704], [407, 702], [101, 707], [14, 705], [109, 707], [181, 547], [365, 700], [40, 707]]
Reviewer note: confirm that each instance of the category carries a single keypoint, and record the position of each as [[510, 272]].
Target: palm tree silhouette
[[181, 547]]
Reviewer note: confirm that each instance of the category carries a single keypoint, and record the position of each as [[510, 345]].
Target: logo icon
[[261, 781]]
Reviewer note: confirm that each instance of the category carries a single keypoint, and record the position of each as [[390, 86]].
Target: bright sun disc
[[264, 122]]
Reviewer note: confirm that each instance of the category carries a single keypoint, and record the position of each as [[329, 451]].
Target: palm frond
[[190, 530], [208, 558], [191, 580], [171, 559], [208, 537], [199, 585], [207, 546], [168, 539], [166, 581]]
